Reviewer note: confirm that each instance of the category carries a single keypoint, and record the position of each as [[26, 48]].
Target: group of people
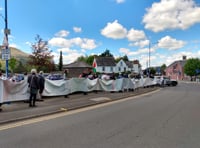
[[36, 84]]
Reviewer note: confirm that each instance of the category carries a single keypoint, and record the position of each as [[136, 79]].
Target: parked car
[[55, 77], [164, 81]]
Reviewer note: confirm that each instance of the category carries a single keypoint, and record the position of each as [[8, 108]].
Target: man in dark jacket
[[33, 82], [41, 85]]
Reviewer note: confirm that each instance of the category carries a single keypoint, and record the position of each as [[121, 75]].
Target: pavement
[[18, 111]]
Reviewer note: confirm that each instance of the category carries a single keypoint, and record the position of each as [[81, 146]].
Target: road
[[168, 118]]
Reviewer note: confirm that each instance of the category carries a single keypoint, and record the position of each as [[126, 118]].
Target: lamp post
[[150, 56]]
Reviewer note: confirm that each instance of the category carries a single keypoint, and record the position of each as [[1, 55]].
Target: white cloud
[[77, 29], [120, 1], [135, 35], [84, 43], [62, 33], [114, 30], [59, 42], [69, 55], [170, 43], [141, 43], [171, 14]]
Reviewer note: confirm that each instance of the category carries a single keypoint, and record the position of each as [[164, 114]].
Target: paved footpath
[[17, 111]]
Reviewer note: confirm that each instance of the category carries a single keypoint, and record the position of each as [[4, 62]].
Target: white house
[[121, 66], [104, 64], [108, 65]]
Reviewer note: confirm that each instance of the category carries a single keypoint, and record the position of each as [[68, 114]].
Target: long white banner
[[15, 91]]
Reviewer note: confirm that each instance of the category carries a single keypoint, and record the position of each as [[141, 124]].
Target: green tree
[[162, 69], [152, 71], [20, 67], [191, 66], [12, 64], [41, 57], [90, 59], [60, 64], [106, 54]]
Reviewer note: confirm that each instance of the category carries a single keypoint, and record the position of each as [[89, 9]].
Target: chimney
[[184, 57]]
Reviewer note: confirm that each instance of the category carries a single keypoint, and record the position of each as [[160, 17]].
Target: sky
[[162, 30]]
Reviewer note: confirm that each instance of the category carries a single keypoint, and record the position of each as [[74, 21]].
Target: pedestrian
[[33, 82], [41, 85]]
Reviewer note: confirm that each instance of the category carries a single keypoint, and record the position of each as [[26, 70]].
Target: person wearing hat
[[33, 82]]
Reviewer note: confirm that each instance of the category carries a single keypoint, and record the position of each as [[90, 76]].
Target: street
[[168, 118]]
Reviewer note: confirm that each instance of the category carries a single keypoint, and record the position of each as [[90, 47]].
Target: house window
[[119, 68], [124, 69], [121, 64], [103, 68], [111, 69]]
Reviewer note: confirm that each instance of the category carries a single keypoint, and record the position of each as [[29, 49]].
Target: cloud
[[77, 29], [84, 43], [62, 33], [141, 43], [170, 43], [69, 55], [171, 14], [135, 35], [114, 30], [120, 1]]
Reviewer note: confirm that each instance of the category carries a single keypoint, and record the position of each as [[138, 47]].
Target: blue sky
[[125, 27]]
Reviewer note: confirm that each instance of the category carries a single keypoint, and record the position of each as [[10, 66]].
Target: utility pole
[[6, 33]]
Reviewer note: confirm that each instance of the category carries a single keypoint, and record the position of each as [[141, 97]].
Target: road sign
[[5, 54]]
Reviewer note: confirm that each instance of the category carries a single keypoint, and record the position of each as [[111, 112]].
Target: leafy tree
[[162, 69], [152, 71], [12, 63], [106, 54], [20, 67], [82, 58], [90, 59], [124, 58], [60, 64], [41, 57], [191, 66]]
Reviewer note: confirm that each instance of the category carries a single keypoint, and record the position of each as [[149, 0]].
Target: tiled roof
[[181, 62], [129, 64], [105, 61], [77, 64]]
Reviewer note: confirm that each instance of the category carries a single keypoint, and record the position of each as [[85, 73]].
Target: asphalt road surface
[[169, 118]]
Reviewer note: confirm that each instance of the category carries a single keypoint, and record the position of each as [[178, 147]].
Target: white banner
[[15, 91]]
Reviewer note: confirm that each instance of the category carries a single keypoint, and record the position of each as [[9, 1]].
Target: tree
[[162, 69], [60, 64], [106, 54], [41, 57], [124, 58], [12, 63], [191, 66], [90, 59]]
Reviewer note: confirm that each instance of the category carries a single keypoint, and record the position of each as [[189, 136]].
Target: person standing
[[41, 84], [33, 82]]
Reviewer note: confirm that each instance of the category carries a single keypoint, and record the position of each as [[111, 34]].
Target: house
[[104, 64], [108, 65], [76, 68], [176, 69], [121, 66]]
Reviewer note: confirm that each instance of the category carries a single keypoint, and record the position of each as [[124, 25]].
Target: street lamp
[[150, 56]]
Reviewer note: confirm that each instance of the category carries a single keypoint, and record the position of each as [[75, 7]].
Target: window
[[121, 64], [103, 68], [111, 69], [119, 68], [124, 69]]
